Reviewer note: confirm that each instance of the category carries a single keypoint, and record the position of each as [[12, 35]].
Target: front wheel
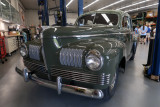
[[109, 92]]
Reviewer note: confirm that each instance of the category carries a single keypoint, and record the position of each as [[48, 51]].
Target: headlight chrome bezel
[[98, 55], [25, 47]]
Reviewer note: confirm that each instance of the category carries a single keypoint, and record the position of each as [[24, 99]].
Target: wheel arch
[[122, 63]]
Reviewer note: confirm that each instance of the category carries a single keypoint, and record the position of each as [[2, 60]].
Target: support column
[[41, 12], [63, 10], [80, 7], [46, 12], [155, 68]]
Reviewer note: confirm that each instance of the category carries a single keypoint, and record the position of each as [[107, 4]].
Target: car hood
[[100, 38], [72, 34], [105, 40], [76, 30], [106, 45]]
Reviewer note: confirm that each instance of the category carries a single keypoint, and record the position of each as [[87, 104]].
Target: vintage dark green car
[[83, 59]]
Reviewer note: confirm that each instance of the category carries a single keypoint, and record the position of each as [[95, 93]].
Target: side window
[[126, 22], [86, 20], [131, 24]]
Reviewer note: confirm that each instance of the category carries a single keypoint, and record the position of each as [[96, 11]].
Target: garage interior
[[134, 89]]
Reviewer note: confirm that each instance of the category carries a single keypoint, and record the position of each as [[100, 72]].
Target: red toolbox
[[2, 50]]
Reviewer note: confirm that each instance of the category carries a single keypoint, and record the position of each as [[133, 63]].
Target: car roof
[[108, 11]]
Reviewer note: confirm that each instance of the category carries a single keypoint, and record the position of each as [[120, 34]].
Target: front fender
[[111, 50]]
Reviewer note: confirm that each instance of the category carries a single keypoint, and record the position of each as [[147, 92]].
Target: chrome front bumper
[[92, 93]]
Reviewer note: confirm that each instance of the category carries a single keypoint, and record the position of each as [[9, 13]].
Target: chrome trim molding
[[92, 93], [59, 85], [25, 75], [101, 79], [44, 58], [108, 78], [26, 49], [43, 53], [85, 36]]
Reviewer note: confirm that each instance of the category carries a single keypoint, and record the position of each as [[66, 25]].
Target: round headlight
[[23, 51], [94, 60]]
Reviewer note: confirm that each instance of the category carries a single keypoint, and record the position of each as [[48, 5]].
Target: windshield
[[98, 19]]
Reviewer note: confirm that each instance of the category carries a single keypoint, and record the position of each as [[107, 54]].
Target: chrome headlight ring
[[24, 50], [94, 60]]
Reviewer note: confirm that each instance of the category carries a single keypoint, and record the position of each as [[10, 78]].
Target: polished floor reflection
[[134, 90]]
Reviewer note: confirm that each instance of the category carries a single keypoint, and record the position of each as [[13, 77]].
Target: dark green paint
[[114, 43]]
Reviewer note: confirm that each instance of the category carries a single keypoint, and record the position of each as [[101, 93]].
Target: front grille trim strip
[[79, 76], [74, 75], [34, 66]]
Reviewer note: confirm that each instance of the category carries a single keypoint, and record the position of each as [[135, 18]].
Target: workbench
[[12, 43]]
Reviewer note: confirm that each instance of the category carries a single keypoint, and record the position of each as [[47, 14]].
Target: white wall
[[3, 26], [31, 17], [71, 17]]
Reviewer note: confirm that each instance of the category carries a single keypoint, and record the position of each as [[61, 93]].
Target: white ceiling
[[73, 7]]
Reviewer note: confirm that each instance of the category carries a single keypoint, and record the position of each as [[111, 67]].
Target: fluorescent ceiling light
[[69, 3], [2, 3], [107, 19], [133, 4], [119, 1], [142, 7], [90, 4]]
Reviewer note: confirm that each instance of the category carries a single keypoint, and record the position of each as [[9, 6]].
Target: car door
[[127, 26]]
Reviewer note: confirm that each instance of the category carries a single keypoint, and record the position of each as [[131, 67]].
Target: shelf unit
[[137, 21], [8, 13], [154, 19], [11, 44]]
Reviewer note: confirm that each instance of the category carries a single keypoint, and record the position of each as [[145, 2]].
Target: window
[[106, 19], [126, 22], [131, 25], [86, 20], [98, 19]]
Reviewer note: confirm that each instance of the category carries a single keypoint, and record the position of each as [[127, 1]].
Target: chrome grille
[[101, 79], [71, 57], [32, 66], [34, 52]]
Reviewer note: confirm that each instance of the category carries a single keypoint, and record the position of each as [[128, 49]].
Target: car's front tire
[[110, 91]]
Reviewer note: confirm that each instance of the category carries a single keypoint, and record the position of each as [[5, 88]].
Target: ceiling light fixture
[[2, 3], [142, 7], [111, 4], [107, 19], [90, 4], [133, 5], [69, 3]]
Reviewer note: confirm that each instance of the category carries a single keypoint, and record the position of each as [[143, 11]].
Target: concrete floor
[[134, 90]]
